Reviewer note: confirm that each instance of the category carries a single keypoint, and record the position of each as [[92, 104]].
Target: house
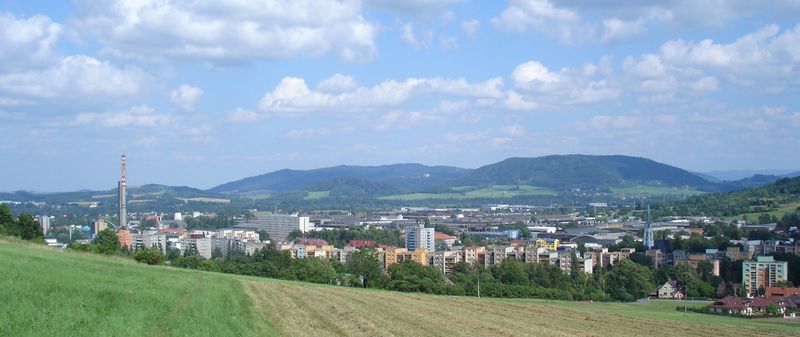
[[447, 239], [668, 290], [781, 291], [731, 305], [760, 304]]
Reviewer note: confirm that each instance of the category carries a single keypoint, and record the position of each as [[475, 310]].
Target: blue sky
[[199, 93]]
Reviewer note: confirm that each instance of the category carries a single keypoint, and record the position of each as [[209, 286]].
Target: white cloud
[[138, 116], [413, 8], [471, 27], [767, 56], [531, 74], [515, 101], [307, 133], [337, 83], [27, 41], [544, 17], [292, 95], [421, 40], [227, 31], [240, 115], [76, 76], [568, 86], [186, 97], [616, 30]]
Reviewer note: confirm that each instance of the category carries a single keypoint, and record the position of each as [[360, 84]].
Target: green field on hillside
[[469, 192], [313, 195], [783, 209], [654, 191], [53, 293]]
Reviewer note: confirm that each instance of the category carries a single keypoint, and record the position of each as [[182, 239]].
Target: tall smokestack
[[123, 214]]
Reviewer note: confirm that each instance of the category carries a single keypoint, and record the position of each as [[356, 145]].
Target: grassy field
[[469, 192], [654, 191], [313, 195], [51, 293], [783, 209]]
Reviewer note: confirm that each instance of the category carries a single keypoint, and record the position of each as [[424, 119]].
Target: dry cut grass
[[306, 310]]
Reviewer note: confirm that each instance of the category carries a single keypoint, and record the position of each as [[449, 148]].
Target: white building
[[278, 225], [419, 237]]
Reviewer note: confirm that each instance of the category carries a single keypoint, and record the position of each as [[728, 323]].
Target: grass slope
[[49, 293]]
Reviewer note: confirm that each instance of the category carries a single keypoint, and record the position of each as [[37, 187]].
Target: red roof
[[776, 291], [311, 242], [173, 231], [763, 302], [443, 236], [362, 243], [730, 302]]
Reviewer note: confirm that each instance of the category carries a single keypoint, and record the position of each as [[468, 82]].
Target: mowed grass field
[[53, 293], [654, 191], [469, 192]]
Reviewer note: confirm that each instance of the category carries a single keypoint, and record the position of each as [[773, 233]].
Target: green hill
[[55, 293], [404, 176], [582, 171], [778, 198]]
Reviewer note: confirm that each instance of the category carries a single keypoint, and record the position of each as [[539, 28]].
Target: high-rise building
[[44, 220], [419, 237], [278, 226], [123, 213], [99, 226], [649, 242], [762, 273]]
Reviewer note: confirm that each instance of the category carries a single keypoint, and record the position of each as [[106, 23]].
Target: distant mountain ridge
[[401, 176]]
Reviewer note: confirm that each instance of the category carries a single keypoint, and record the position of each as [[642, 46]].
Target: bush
[[150, 256]]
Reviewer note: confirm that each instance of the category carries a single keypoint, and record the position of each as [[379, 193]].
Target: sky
[[203, 92]]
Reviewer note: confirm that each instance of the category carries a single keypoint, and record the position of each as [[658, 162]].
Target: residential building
[[419, 237], [669, 290], [762, 273], [604, 258], [125, 239], [549, 244], [150, 239], [398, 255], [278, 226], [447, 239], [445, 261]]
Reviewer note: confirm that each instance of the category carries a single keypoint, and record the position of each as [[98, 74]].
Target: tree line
[[23, 227]]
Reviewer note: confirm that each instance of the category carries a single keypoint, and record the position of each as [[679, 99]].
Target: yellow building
[[549, 244], [398, 255]]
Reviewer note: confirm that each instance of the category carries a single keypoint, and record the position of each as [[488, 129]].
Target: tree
[[295, 234], [413, 277], [106, 242], [173, 253], [628, 281], [216, 253], [7, 225], [263, 235], [512, 272], [365, 265], [150, 256], [29, 229], [772, 309]]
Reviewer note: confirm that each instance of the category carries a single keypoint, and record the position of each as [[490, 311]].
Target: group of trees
[[23, 227], [106, 242], [339, 238]]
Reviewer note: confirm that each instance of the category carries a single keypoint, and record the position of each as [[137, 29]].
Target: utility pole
[[685, 297], [479, 284]]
